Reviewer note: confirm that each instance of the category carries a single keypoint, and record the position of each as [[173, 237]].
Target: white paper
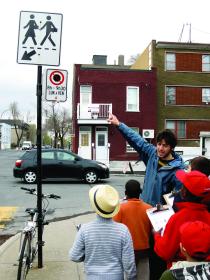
[[160, 218]]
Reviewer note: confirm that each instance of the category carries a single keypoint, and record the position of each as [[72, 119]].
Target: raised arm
[[134, 139], [113, 120]]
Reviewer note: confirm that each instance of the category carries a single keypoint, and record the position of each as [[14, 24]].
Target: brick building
[[98, 89], [183, 91]]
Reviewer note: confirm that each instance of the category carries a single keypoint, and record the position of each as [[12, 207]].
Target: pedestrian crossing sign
[[39, 40]]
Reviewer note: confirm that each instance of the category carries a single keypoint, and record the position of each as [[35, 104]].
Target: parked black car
[[57, 163]]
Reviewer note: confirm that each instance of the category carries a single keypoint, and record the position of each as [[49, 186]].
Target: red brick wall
[[188, 96], [189, 62], [194, 127], [109, 86]]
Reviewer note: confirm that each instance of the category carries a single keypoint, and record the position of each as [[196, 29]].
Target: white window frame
[[170, 91], [84, 140], [170, 61], [85, 94], [205, 63], [136, 104], [173, 125], [206, 95], [130, 149]]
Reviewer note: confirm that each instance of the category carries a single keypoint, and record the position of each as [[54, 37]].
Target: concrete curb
[[8, 243]]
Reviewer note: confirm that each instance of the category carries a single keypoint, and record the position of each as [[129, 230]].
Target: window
[[85, 95], [206, 63], [101, 140], [48, 155], [170, 95], [130, 149], [132, 99], [85, 140], [65, 156], [206, 95], [178, 127], [84, 136], [170, 61], [85, 128]]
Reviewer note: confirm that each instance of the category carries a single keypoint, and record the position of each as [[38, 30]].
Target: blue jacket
[[157, 181]]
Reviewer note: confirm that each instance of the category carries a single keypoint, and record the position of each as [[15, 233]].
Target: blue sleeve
[[77, 252], [135, 140]]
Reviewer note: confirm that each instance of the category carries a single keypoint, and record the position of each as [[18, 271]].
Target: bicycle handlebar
[[28, 190], [54, 196], [33, 191]]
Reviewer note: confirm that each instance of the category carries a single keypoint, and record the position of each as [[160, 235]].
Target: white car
[[27, 145]]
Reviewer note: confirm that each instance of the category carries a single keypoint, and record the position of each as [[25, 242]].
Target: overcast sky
[[106, 27]]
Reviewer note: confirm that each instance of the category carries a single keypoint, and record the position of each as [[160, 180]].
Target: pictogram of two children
[[32, 26]]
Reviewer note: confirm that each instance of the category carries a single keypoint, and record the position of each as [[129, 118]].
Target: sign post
[[39, 165], [39, 43]]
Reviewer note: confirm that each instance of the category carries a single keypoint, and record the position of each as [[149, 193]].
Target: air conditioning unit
[[148, 133]]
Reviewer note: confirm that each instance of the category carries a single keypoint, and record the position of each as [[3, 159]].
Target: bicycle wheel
[[24, 260]]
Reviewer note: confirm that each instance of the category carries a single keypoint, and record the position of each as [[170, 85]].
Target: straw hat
[[104, 200]]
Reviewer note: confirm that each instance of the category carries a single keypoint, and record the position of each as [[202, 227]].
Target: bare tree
[[133, 58], [64, 122], [58, 121], [19, 124]]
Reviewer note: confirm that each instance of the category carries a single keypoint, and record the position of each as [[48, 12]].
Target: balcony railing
[[93, 111]]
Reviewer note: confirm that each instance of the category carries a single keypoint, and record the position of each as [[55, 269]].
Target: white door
[[85, 142], [207, 146], [102, 149]]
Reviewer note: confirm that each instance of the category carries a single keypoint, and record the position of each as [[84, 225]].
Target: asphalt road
[[74, 195]]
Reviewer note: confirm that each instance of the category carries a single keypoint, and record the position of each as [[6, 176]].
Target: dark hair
[[168, 136], [201, 164], [133, 189], [190, 197]]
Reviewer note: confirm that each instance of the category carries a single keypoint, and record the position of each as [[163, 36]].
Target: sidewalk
[[58, 237]]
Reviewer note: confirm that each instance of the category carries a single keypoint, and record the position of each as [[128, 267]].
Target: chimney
[[121, 60], [99, 59]]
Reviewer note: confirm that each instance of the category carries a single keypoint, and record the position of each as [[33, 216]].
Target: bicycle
[[28, 240]]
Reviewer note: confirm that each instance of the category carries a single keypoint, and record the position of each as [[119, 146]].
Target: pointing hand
[[113, 120]]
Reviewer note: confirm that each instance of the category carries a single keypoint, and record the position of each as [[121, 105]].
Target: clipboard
[[159, 216]]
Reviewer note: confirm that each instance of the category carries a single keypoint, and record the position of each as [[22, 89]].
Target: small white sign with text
[[56, 85]]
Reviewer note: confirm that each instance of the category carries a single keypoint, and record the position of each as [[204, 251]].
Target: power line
[[201, 30], [190, 32]]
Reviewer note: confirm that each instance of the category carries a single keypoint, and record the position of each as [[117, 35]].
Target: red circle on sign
[[56, 82]]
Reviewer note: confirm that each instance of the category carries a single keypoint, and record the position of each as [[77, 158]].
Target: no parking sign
[[56, 85]]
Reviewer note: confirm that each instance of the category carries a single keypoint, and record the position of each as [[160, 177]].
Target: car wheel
[[30, 177], [91, 177]]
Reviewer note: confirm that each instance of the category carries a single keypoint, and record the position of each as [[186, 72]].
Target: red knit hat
[[196, 182], [195, 238]]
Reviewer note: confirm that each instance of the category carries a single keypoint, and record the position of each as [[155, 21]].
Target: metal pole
[[39, 164]]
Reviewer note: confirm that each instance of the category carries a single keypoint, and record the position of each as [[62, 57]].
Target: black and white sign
[[39, 39], [56, 85]]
